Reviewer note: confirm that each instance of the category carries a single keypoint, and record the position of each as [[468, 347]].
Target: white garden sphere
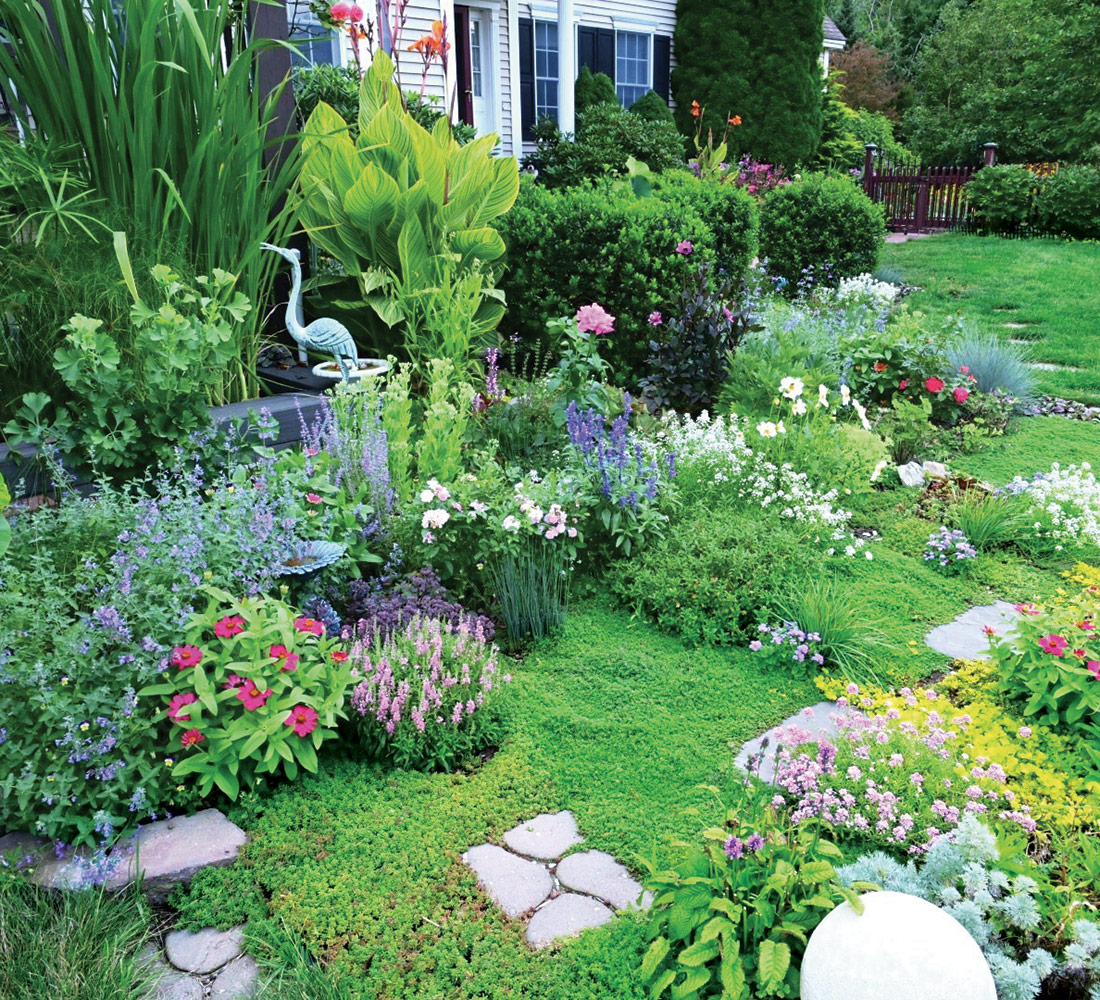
[[900, 948]]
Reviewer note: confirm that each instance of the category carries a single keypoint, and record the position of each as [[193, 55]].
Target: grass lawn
[[1048, 286], [1030, 446]]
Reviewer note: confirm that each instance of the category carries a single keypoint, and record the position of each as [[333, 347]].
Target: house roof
[[833, 33]]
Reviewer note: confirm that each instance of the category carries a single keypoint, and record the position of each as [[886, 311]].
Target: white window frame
[[495, 99], [644, 31], [536, 21]]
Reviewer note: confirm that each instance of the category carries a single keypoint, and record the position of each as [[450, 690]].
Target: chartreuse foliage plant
[[407, 212], [251, 687], [733, 916]]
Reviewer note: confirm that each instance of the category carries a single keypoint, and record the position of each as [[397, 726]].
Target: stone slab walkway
[[563, 897], [202, 964], [963, 638]]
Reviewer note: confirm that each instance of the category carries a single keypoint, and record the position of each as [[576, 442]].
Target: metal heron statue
[[324, 334]]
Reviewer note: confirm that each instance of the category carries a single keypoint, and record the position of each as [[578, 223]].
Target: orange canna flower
[[696, 111], [439, 35], [735, 120]]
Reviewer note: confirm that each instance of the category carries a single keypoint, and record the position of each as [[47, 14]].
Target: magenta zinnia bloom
[[252, 696], [595, 319], [185, 656], [303, 719], [310, 625], [655, 318], [288, 661], [178, 702], [229, 626], [191, 738], [1053, 644]]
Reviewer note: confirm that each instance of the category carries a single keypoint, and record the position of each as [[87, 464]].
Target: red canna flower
[[696, 111], [735, 120]]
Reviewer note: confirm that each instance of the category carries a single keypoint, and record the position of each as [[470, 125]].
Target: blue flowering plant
[[252, 687], [949, 551], [733, 914], [787, 644], [625, 483]]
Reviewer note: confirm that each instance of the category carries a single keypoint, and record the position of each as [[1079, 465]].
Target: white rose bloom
[[434, 519]]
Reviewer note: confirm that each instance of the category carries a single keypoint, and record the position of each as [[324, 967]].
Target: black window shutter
[[662, 58], [527, 76], [605, 52], [586, 47]]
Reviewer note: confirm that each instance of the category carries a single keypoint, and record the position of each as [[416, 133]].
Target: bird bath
[[363, 368]]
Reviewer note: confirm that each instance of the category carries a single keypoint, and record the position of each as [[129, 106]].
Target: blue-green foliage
[[995, 363]]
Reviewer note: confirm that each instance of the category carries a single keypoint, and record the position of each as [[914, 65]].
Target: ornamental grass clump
[[427, 697]]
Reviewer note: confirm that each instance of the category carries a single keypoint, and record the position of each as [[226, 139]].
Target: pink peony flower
[[961, 395], [252, 696], [185, 656], [595, 319], [685, 248], [191, 738], [340, 11], [229, 626], [933, 384], [1055, 645], [303, 719], [178, 702], [309, 625], [355, 13]]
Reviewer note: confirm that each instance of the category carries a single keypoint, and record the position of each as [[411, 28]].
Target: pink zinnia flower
[[339, 656], [252, 696], [961, 395], [933, 384], [1026, 609], [1055, 645], [233, 681], [178, 702], [989, 630], [313, 498], [1093, 667], [1086, 626], [685, 248], [185, 656], [310, 625], [288, 661], [191, 738], [303, 719], [595, 319], [229, 626]]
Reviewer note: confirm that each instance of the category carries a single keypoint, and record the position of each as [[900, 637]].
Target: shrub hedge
[[1069, 203], [1003, 197]]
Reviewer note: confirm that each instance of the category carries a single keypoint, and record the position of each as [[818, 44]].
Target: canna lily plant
[[406, 211]]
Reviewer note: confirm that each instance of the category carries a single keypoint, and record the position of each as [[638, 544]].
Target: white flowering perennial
[[865, 288], [1065, 503], [717, 449]]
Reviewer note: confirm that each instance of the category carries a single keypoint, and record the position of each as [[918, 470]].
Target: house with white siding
[[508, 57]]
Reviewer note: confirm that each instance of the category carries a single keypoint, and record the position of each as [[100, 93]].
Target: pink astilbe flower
[[595, 319]]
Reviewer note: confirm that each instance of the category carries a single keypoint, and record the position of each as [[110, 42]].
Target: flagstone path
[[563, 895]]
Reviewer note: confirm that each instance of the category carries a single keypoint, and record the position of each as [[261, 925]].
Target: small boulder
[[934, 470], [911, 474], [202, 952], [237, 981]]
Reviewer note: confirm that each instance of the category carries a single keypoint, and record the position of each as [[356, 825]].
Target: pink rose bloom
[[595, 319]]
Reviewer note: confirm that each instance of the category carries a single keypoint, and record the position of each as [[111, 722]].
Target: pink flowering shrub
[[892, 780], [427, 697], [1051, 660], [253, 686]]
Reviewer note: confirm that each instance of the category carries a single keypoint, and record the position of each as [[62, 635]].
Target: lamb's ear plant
[[733, 916]]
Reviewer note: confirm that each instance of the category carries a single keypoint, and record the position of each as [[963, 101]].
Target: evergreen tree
[[758, 61]]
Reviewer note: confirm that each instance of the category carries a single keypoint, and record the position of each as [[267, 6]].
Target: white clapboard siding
[[504, 62]]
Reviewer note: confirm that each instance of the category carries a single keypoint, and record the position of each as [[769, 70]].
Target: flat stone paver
[[599, 874], [565, 916], [963, 638], [547, 837], [178, 986], [516, 885], [202, 952], [236, 981], [808, 726]]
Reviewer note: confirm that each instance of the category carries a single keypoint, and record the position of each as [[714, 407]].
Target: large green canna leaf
[[483, 244], [378, 90], [417, 265], [372, 204]]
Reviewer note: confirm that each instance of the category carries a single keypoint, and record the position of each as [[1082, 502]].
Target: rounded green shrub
[[1069, 203], [652, 107], [820, 222], [730, 211], [592, 89], [1003, 197]]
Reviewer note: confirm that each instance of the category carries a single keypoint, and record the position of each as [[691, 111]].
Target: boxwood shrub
[[1069, 203], [729, 210], [1003, 197], [817, 221]]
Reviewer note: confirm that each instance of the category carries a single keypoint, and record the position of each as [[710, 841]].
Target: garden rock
[[901, 947], [547, 836], [171, 851], [565, 916], [237, 980], [810, 724], [177, 986], [516, 885], [934, 470], [600, 875], [963, 639], [202, 952], [911, 474]]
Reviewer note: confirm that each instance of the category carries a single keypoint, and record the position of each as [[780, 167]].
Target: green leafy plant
[[1002, 197], [653, 107], [5, 528], [732, 917], [1069, 202], [988, 521], [593, 88], [252, 687], [407, 212]]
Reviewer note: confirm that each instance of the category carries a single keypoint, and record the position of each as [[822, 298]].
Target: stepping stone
[[808, 726], [516, 885], [201, 952], [236, 981], [565, 916], [547, 837], [600, 875], [171, 851], [963, 639], [177, 986]]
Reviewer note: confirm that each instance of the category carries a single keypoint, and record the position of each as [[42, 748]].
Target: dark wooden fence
[[919, 198]]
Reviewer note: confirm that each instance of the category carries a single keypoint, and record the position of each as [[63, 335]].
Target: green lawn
[[1030, 446], [1049, 286]]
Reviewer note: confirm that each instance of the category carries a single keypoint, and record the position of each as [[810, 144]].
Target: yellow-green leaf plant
[[409, 214]]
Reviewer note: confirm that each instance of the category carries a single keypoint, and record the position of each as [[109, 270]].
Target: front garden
[[665, 459]]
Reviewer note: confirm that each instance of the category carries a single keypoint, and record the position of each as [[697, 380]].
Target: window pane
[[475, 56], [633, 73], [546, 69]]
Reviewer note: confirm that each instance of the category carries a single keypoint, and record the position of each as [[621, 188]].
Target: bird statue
[[324, 334]]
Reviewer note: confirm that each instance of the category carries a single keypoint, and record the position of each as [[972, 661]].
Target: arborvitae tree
[[759, 61], [592, 89]]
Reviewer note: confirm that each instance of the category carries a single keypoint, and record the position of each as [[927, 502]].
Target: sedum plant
[[407, 212]]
